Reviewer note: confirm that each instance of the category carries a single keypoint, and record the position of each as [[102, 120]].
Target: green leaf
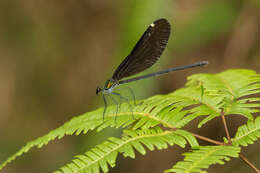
[[230, 91], [230, 87], [248, 133], [201, 158], [188, 136], [106, 153]]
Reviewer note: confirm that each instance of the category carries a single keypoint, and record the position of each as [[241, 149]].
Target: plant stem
[[226, 128], [230, 143], [203, 138], [207, 139], [241, 156]]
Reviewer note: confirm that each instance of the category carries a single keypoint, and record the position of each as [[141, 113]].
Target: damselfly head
[[98, 90]]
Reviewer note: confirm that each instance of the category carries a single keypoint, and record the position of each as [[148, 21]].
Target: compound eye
[[98, 90]]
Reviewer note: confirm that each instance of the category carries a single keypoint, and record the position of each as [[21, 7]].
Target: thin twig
[[241, 156], [226, 128], [203, 138], [207, 139]]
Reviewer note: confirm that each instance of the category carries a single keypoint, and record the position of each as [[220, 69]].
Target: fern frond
[[225, 91], [231, 87], [161, 109], [248, 133], [203, 157], [210, 106], [105, 154]]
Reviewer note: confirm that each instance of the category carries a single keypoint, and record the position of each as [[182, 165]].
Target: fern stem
[[226, 128], [207, 139], [241, 156]]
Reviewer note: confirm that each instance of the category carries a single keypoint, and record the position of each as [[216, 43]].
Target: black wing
[[147, 50]]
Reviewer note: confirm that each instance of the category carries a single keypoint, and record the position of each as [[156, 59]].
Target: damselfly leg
[[105, 107], [126, 99], [117, 105], [130, 91]]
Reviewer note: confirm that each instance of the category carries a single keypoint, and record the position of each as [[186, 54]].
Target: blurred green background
[[53, 54]]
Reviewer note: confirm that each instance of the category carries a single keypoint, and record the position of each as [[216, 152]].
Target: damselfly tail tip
[[204, 63]]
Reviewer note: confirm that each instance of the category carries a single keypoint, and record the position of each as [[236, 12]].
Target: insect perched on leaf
[[145, 53]]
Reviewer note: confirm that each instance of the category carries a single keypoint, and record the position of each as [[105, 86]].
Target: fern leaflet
[[224, 91], [203, 157], [248, 133], [106, 153], [230, 87]]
